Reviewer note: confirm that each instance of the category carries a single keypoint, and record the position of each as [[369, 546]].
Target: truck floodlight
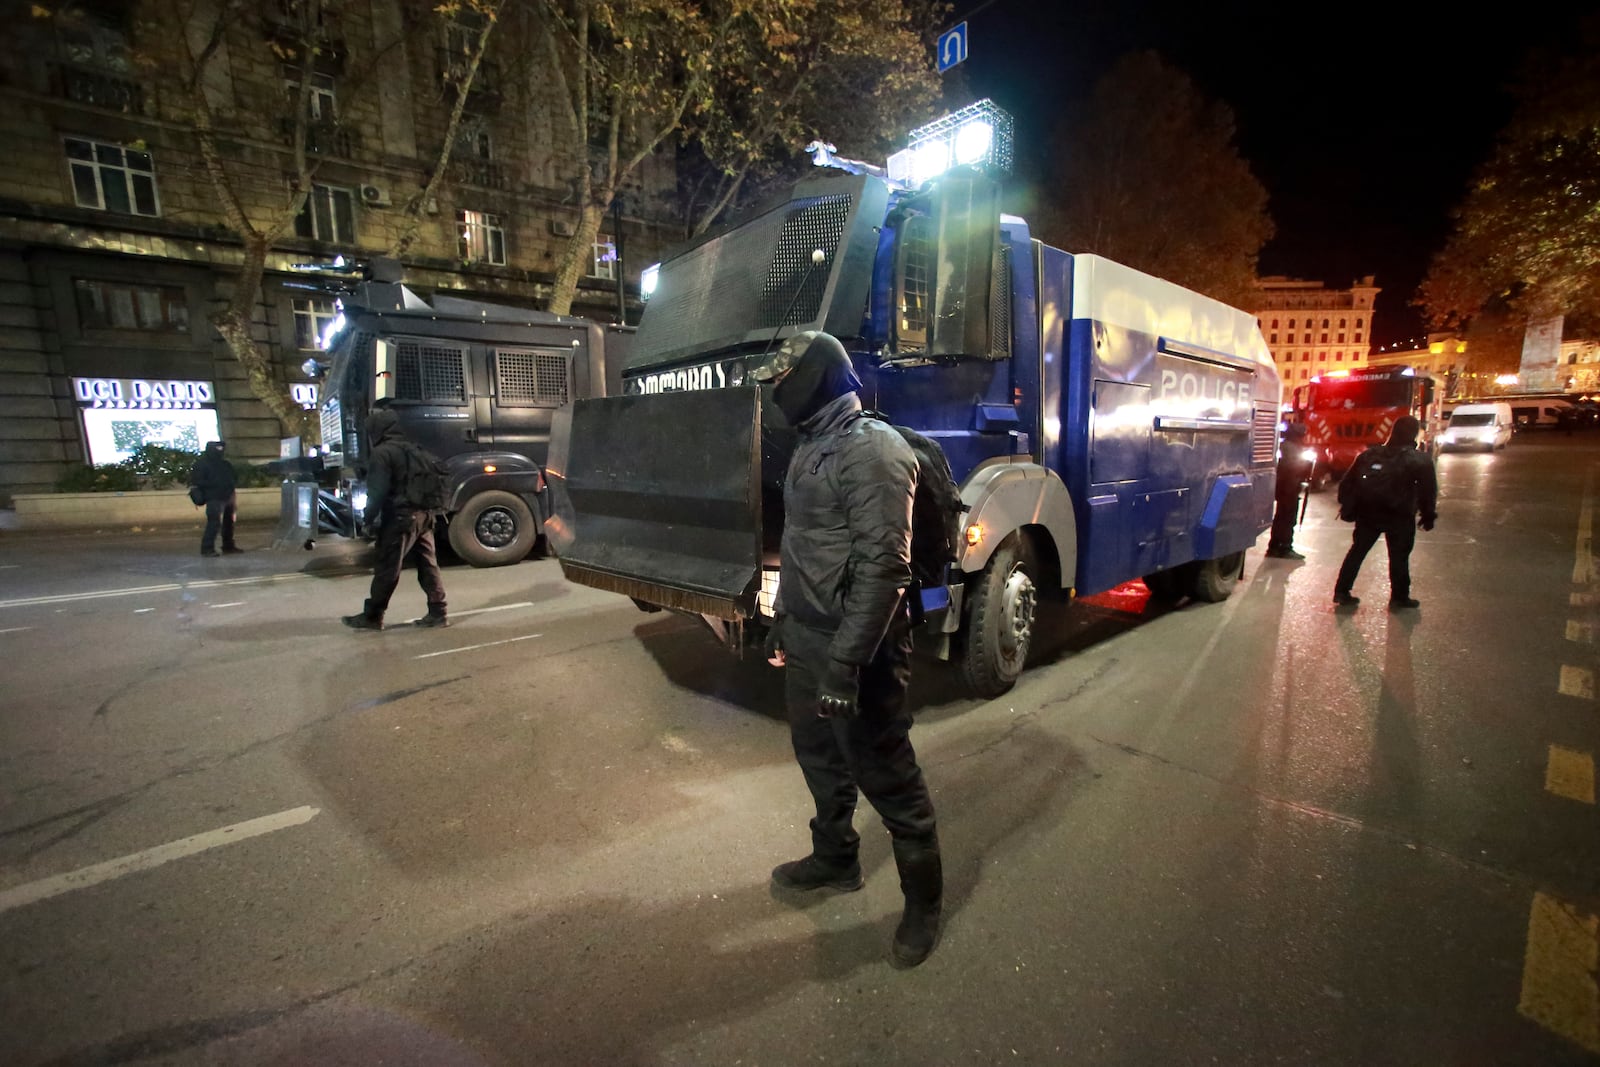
[[330, 331], [1409, 372], [1309, 455], [978, 135], [648, 279]]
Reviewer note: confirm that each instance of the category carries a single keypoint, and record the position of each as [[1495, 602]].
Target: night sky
[[1363, 121]]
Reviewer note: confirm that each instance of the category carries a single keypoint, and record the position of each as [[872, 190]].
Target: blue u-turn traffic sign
[[952, 46]]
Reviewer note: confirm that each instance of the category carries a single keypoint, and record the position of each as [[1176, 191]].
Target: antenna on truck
[[818, 258]]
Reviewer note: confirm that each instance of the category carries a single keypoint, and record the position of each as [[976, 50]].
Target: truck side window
[[528, 378], [430, 371], [913, 281]]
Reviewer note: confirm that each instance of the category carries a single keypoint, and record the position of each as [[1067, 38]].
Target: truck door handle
[[470, 433]]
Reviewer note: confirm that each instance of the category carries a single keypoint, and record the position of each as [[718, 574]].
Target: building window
[[311, 319], [319, 97], [1324, 338], [1274, 338], [1358, 322], [1324, 324], [1338, 357], [1358, 337], [481, 238], [1322, 357], [1341, 338], [125, 306], [1275, 324], [1341, 324], [605, 258], [108, 177], [328, 215], [474, 139], [1291, 324], [1305, 357]]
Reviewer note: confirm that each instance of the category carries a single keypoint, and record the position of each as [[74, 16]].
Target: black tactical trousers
[[1399, 537], [869, 754], [1283, 520], [220, 514], [396, 538]]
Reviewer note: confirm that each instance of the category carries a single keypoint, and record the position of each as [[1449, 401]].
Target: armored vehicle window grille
[[1000, 304], [430, 373], [915, 280], [332, 426], [792, 285], [532, 379], [1264, 436]]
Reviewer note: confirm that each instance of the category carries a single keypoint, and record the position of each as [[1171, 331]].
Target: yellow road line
[[1570, 773], [1577, 682], [1581, 632], [1583, 558], [1558, 972], [1583, 600]]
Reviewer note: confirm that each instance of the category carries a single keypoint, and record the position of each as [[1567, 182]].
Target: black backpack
[[935, 513], [1378, 483], [425, 481]]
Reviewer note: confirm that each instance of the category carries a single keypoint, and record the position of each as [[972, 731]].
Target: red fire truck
[[1345, 411]]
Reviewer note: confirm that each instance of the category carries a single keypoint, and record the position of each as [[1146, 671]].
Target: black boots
[[433, 618], [922, 882], [812, 873], [366, 620]]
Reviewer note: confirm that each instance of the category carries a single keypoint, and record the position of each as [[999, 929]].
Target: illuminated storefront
[[120, 414]]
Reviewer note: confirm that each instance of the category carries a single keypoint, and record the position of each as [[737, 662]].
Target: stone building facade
[[115, 247], [1312, 329]]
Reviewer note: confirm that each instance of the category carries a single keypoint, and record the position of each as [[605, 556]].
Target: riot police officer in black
[[1294, 476], [844, 634]]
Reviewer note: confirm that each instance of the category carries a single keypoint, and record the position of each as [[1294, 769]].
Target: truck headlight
[[1309, 455], [358, 500]]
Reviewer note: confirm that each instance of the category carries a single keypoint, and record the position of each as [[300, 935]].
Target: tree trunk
[[575, 260], [233, 323]]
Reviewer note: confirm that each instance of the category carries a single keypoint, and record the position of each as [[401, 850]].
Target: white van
[[1485, 426]]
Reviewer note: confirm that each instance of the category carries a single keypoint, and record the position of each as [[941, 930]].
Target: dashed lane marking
[[146, 590], [498, 607], [1583, 600], [15, 630], [1583, 570], [32, 892], [1581, 632], [470, 648], [1558, 972], [1577, 682], [229, 604], [1570, 773]]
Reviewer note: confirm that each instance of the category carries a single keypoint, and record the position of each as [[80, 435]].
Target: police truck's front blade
[[657, 497]]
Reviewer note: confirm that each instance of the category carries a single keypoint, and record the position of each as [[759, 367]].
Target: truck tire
[[1000, 616], [1214, 579], [493, 529]]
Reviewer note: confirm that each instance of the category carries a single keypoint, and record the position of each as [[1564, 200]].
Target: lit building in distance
[[1312, 329]]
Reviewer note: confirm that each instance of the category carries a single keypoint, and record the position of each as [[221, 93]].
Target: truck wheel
[[493, 529], [1170, 586], [1000, 618], [1214, 579]]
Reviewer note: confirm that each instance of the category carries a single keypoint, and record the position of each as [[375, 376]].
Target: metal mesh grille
[[916, 279], [431, 373], [1264, 436], [332, 426], [1000, 304], [792, 285], [531, 379]]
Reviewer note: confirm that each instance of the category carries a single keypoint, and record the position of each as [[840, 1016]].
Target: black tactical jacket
[[847, 528]]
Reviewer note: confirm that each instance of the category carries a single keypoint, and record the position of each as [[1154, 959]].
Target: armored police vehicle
[[476, 384], [1103, 425]]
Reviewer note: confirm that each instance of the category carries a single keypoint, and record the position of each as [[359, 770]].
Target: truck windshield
[[1471, 420], [1340, 396]]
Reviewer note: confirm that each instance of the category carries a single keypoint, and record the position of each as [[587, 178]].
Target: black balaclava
[[214, 448], [1404, 434], [382, 424], [823, 374]]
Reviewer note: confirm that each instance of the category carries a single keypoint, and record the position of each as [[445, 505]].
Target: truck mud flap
[[658, 497]]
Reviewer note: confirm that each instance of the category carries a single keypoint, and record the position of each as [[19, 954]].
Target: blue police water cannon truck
[[1102, 424]]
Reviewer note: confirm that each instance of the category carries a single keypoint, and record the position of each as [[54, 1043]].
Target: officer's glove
[[1426, 522], [774, 646], [839, 691]]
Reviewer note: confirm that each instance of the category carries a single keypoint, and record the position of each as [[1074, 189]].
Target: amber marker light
[[489, 468], [974, 534]]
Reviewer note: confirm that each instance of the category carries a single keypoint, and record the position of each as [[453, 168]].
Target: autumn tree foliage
[[1148, 174], [739, 77]]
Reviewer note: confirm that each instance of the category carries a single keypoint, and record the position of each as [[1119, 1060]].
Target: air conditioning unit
[[561, 227], [375, 196]]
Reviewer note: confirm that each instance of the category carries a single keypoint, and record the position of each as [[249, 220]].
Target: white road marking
[[469, 648], [32, 892], [142, 611], [229, 604], [9, 566], [16, 630], [142, 590], [483, 611]]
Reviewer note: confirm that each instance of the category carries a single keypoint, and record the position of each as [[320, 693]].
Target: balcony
[[483, 173], [97, 88], [289, 30], [323, 138], [484, 95]]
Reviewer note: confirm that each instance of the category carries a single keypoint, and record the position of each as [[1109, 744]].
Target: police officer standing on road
[[218, 484], [1385, 503], [844, 634], [403, 523], [1294, 477]]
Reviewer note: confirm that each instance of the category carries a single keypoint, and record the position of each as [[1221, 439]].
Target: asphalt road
[[234, 832]]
